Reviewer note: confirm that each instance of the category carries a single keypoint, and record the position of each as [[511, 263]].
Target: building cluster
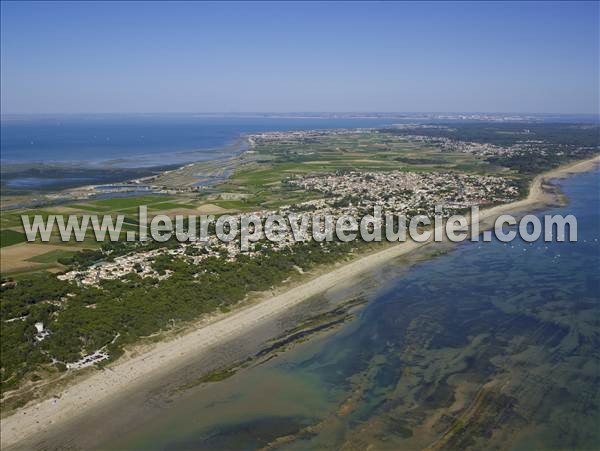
[[422, 127], [526, 147], [139, 262], [88, 360], [301, 135], [142, 262], [400, 192], [453, 145]]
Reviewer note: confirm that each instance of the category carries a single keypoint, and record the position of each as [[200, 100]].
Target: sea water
[[143, 140]]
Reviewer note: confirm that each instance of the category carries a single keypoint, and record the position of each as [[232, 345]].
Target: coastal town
[[402, 193], [410, 193], [526, 144]]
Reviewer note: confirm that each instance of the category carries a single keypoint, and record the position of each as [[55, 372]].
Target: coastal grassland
[[120, 203], [202, 173]]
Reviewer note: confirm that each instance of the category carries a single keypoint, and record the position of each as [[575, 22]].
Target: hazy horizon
[[292, 112]]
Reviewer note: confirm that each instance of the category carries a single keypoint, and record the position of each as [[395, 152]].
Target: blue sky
[[241, 57]]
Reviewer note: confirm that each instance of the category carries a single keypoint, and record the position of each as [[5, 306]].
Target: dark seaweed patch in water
[[297, 336], [247, 435]]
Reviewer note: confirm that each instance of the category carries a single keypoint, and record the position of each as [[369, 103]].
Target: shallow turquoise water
[[491, 343]]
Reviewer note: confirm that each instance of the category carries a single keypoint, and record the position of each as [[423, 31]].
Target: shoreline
[[40, 196], [234, 145], [124, 374]]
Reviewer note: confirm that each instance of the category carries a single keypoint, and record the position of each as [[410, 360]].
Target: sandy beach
[[128, 372]]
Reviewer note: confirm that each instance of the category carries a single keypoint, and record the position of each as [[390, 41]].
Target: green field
[[52, 256], [10, 237], [118, 203]]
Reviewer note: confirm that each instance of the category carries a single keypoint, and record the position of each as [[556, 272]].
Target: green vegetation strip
[[10, 237]]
